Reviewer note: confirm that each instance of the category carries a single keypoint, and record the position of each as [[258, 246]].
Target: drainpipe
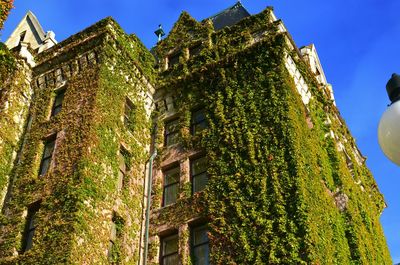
[[149, 187]]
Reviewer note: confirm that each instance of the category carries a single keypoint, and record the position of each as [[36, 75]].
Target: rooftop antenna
[[159, 33]]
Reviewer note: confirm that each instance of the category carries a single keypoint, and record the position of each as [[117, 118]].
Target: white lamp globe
[[389, 126], [389, 132]]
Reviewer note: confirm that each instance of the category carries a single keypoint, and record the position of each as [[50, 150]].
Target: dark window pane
[[47, 155], [171, 185], [128, 112], [59, 99], [169, 250], [199, 127], [171, 176], [170, 194], [30, 227], [172, 139], [56, 110], [58, 103], [45, 166], [174, 59], [199, 174], [200, 235], [195, 50], [200, 248], [171, 260], [170, 245], [123, 160], [29, 240], [199, 165], [200, 254], [198, 121], [198, 116], [200, 182], [171, 132], [48, 149]]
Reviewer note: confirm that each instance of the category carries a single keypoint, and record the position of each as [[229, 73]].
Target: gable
[[185, 31], [29, 31]]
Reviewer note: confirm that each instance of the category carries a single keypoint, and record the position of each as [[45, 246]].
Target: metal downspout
[[149, 188]]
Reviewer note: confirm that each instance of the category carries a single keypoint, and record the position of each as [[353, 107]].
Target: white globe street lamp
[[389, 125]]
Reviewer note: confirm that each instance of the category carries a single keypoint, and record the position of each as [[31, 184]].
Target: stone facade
[[226, 128]]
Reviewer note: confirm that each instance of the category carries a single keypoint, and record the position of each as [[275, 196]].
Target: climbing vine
[[5, 7], [281, 190], [80, 194]]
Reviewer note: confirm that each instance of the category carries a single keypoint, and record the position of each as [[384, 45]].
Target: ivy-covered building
[[221, 145]]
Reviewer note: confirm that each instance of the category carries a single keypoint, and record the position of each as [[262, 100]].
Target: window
[[195, 50], [198, 122], [47, 155], [30, 227], [171, 132], [59, 75], [171, 186], [198, 173], [22, 37], [50, 79], [169, 250], [200, 248], [123, 167], [58, 100], [174, 59], [128, 113], [114, 251]]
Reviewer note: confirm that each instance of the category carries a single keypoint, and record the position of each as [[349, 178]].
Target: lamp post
[[389, 125]]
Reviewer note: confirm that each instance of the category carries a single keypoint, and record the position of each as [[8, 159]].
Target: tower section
[[255, 164], [76, 194]]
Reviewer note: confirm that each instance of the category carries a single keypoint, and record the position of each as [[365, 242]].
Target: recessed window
[[198, 122], [174, 59], [123, 157], [50, 79], [59, 75], [171, 132], [114, 251], [198, 172], [58, 100], [47, 155], [22, 37], [30, 227], [200, 246], [128, 113], [195, 50], [169, 250], [171, 186]]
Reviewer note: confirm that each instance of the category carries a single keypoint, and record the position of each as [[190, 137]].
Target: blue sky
[[357, 41]]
